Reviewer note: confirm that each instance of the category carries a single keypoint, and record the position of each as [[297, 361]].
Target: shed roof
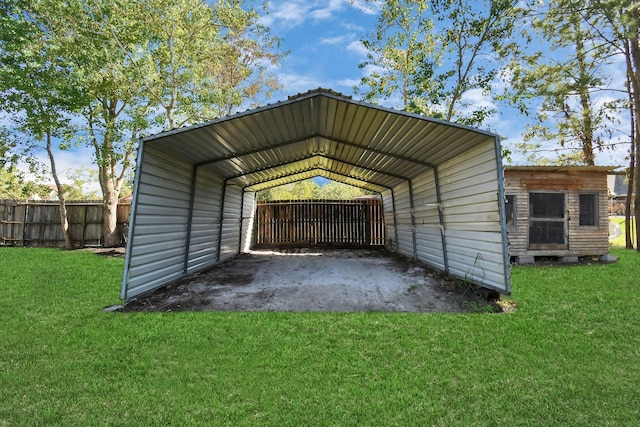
[[319, 133], [568, 169]]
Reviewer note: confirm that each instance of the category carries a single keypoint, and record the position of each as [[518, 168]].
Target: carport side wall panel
[[230, 230], [402, 199], [428, 229], [388, 214], [472, 217], [155, 249], [248, 221], [205, 222]]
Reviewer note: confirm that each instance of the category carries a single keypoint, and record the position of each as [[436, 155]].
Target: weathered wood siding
[[581, 240]]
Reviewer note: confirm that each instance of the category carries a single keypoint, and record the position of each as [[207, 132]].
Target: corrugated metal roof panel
[[320, 122]]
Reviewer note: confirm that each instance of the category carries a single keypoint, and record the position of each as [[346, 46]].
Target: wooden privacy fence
[[37, 223], [320, 222]]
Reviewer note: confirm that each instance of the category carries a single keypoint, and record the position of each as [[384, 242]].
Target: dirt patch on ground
[[315, 280]]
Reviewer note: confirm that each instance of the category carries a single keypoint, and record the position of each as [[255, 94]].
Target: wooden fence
[[320, 222], [37, 223]]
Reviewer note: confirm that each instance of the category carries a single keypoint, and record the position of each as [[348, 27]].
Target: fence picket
[[37, 223], [323, 222]]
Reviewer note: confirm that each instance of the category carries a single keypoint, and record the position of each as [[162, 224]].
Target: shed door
[[547, 221]]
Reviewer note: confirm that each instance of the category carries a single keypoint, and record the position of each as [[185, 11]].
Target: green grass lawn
[[568, 356]]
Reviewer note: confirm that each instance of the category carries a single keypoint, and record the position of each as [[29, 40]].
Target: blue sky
[[323, 38]]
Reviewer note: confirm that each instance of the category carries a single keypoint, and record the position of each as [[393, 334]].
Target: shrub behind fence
[[37, 223]]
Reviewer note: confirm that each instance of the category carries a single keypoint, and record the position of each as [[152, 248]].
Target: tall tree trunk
[[634, 47], [632, 153], [64, 221], [110, 193], [586, 134], [632, 158]]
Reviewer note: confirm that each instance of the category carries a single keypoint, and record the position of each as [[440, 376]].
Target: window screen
[[546, 205], [547, 219], [588, 209]]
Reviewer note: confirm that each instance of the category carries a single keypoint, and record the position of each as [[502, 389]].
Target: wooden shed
[[440, 184], [557, 211]]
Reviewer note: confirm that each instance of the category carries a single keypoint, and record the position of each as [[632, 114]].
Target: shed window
[[510, 210], [588, 209], [547, 220]]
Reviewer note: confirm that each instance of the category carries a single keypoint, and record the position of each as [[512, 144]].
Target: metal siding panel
[[404, 245], [429, 245], [248, 218], [230, 236], [472, 217], [160, 224], [204, 222], [428, 231]]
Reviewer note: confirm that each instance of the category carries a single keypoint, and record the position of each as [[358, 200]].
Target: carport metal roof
[[319, 133]]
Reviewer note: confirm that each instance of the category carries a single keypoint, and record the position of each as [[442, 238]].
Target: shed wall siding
[[160, 224], [581, 240], [469, 189]]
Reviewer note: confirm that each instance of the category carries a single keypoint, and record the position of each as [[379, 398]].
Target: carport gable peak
[[324, 123]]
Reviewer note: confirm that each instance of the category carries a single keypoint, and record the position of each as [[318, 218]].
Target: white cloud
[[67, 162], [296, 83], [287, 13], [293, 13], [350, 83], [358, 48], [369, 8], [339, 40], [329, 11]]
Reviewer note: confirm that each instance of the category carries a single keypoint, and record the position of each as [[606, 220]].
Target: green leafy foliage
[[310, 189], [564, 72], [101, 73], [435, 56]]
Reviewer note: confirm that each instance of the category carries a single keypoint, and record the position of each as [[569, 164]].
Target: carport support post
[[192, 198], [413, 221], [443, 238], [241, 221], [395, 219], [224, 193]]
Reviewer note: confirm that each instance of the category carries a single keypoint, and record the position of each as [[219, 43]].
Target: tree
[[201, 61], [564, 76], [310, 189], [133, 70], [38, 88], [431, 54], [618, 24]]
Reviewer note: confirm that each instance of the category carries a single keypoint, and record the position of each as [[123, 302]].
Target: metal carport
[[441, 184]]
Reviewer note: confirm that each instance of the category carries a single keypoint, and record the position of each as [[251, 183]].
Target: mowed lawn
[[568, 356]]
